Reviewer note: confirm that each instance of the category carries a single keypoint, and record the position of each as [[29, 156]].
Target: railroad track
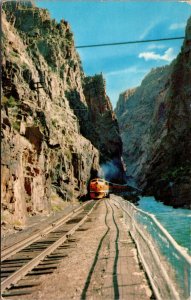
[[40, 253]]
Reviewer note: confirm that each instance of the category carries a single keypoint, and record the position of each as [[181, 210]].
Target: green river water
[[177, 221]]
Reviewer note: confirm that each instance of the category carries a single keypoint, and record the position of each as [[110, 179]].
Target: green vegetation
[[4, 100], [68, 81], [15, 115], [42, 118], [68, 154], [12, 102], [62, 69], [69, 37], [14, 53], [56, 207], [71, 63], [24, 66], [54, 122], [36, 123], [16, 125], [70, 194], [9, 102]]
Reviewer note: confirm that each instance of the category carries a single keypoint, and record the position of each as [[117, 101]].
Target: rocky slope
[[49, 146], [135, 112], [155, 123]]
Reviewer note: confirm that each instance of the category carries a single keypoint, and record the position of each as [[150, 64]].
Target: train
[[100, 188]]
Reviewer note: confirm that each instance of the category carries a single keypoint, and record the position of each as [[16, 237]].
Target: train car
[[99, 188], [117, 188]]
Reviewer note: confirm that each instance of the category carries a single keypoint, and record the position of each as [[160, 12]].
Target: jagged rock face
[[137, 112], [158, 129], [49, 144], [98, 123], [104, 133], [172, 158], [43, 147], [122, 101]]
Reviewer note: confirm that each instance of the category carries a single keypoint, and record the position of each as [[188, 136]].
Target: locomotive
[[100, 188]]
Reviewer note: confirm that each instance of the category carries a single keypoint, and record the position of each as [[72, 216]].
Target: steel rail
[[15, 277], [9, 251]]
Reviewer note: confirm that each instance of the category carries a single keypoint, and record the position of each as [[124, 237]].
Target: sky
[[96, 22]]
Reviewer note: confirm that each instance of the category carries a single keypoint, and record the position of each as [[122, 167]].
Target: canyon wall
[[50, 146], [155, 124], [135, 111]]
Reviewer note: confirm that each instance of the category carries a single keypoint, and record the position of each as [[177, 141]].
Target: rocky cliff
[[155, 123], [105, 132], [135, 111], [50, 149]]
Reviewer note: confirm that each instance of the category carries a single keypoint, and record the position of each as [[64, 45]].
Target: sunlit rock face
[[48, 145], [156, 130]]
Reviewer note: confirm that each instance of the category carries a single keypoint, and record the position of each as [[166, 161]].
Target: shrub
[[16, 125], [11, 102]]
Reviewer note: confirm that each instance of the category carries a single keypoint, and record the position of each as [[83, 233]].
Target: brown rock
[[45, 145]]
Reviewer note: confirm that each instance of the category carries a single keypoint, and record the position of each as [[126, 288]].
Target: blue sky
[[123, 67]]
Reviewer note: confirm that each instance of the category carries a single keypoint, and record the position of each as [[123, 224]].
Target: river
[[177, 221]]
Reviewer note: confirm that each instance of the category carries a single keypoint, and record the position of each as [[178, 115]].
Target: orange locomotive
[[99, 188]]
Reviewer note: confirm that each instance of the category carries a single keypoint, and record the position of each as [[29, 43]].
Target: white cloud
[[176, 26], [133, 69], [167, 56], [187, 1]]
